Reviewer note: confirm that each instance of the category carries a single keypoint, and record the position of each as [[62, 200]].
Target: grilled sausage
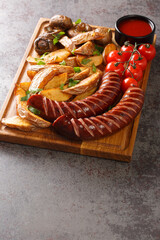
[[106, 124], [91, 106]]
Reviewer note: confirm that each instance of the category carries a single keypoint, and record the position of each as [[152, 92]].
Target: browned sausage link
[[91, 106], [106, 124]]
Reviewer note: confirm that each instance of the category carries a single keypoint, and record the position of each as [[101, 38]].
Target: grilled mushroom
[[78, 28], [60, 21], [43, 44]]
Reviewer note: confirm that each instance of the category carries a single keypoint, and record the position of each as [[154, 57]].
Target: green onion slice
[[34, 110]]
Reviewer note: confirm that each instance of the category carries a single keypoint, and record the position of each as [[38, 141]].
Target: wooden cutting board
[[118, 146]]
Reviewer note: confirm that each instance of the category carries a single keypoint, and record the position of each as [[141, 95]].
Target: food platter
[[118, 146]]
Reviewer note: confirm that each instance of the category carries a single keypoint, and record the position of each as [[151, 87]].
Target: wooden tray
[[118, 146]]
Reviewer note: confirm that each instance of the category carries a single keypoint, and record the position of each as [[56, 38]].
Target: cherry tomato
[[134, 72], [128, 82], [140, 60], [147, 50], [127, 51], [115, 67], [116, 56]]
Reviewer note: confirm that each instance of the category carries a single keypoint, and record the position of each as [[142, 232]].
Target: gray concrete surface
[[49, 195]]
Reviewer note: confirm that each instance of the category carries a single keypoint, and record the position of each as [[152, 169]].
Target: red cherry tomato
[[116, 67], [116, 56], [128, 82], [140, 60], [147, 50], [134, 72], [127, 51]]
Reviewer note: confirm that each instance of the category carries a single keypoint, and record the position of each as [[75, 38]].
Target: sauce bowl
[[122, 37]]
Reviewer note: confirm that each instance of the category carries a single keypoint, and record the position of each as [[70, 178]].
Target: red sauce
[[135, 27]]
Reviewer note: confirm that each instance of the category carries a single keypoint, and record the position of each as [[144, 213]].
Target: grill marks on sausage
[[91, 106], [110, 122]]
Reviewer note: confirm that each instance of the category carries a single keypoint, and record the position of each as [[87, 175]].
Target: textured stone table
[[50, 195]]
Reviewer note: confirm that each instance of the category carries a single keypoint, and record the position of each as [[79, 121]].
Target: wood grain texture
[[118, 146]]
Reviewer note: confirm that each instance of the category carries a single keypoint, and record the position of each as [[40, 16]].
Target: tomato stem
[[135, 50]]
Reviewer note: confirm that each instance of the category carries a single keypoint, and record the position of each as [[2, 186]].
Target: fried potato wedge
[[31, 60], [109, 47], [63, 69], [31, 74], [25, 85], [42, 78], [56, 81], [57, 56], [85, 94], [23, 112], [88, 62], [86, 49], [19, 123], [67, 43], [87, 36], [55, 94], [71, 61], [84, 85], [97, 70], [81, 75], [59, 68], [107, 36]]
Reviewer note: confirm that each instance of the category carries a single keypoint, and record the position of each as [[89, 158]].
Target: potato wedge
[[85, 94], [55, 94], [25, 85], [31, 74], [107, 36], [71, 61], [23, 112], [110, 47], [31, 60], [67, 43], [84, 85], [86, 49], [81, 75], [97, 70], [19, 123], [59, 68], [42, 78], [56, 81], [57, 56], [63, 69], [88, 62], [87, 36]]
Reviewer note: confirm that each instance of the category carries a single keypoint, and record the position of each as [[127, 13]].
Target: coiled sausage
[[91, 106], [106, 124]]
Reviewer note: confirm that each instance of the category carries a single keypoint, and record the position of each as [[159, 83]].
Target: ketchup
[[135, 27]]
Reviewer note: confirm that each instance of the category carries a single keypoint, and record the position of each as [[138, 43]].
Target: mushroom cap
[[61, 21]]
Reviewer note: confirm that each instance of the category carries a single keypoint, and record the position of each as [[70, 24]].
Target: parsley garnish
[[41, 63], [85, 61], [94, 67], [57, 37], [61, 86], [77, 69], [63, 62], [96, 52], [55, 40], [73, 51], [78, 21], [44, 54], [99, 48], [72, 82], [34, 110], [29, 92]]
